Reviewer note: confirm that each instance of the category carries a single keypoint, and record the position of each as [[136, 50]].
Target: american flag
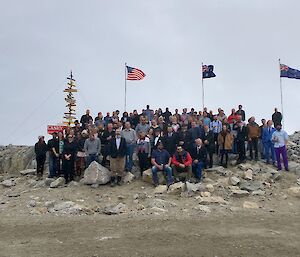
[[134, 73]]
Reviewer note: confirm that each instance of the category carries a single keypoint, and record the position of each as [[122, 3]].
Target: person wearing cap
[[182, 164], [92, 149], [40, 150], [161, 161], [53, 148], [280, 138]]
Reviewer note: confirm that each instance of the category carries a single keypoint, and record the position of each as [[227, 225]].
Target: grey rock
[[294, 191], [239, 193], [250, 205], [176, 188], [245, 166], [211, 200], [251, 185], [220, 170], [48, 181], [58, 182], [115, 209], [73, 184], [8, 183], [203, 208], [129, 177], [147, 177], [13, 194], [38, 184], [258, 192], [161, 189], [31, 203], [234, 180], [50, 204], [28, 172], [191, 187], [96, 174], [160, 203], [248, 174]]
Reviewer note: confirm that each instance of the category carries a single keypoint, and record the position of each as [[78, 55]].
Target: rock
[[38, 184], [294, 191], [49, 204], [250, 185], [161, 189], [156, 209], [129, 177], [258, 192], [13, 194], [136, 196], [96, 174], [94, 185], [73, 184], [248, 174], [294, 167], [191, 187], [176, 188], [31, 203], [1, 178], [210, 188], [8, 183], [250, 205], [58, 182], [161, 203], [115, 209], [298, 181], [121, 197], [48, 181], [212, 200], [239, 193], [63, 206], [205, 194], [202, 208], [219, 169], [147, 177], [234, 180], [28, 172], [277, 176], [245, 166]]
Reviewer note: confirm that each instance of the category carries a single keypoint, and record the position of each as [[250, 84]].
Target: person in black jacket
[[117, 152], [199, 155], [276, 117], [170, 140], [40, 150], [69, 156], [209, 142], [241, 138], [105, 138]]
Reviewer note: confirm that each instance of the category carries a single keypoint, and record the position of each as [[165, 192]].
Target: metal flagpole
[[202, 87], [281, 98], [125, 86]]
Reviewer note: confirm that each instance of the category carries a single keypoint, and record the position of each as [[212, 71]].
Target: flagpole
[[281, 98], [202, 87], [125, 86]]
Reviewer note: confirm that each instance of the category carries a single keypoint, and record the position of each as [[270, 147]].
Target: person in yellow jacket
[[225, 140]]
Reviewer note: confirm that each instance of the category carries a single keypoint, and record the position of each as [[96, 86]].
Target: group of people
[[178, 145]]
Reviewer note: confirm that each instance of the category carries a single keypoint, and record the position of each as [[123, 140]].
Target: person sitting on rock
[[40, 150], [117, 153], [199, 156], [161, 161], [92, 149], [182, 164]]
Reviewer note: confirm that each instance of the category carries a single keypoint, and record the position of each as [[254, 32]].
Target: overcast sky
[[41, 41]]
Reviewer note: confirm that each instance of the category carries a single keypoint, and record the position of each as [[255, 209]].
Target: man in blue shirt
[[161, 161], [268, 144]]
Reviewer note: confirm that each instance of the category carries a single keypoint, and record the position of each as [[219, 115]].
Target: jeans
[[129, 153], [53, 162], [281, 151], [167, 170], [90, 158], [198, 169], [269, 147]]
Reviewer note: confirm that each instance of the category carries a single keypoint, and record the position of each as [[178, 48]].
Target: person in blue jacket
[[268, 144]]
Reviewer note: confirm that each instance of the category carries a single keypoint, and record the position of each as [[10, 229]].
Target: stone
[[205, 194], [147, 177], [277, 176], [191, 187], [38, 184], [219, 170], [156, 209], [129, 177], [8, 183], [176, 188], [234, 180], [245, 166], [48, 181], [94, 185], [212, 200], [28, 172], [239, 193], [13, 194], [258, 192], [160, 203], [250, 185], [250, 205], [210, 188], [31, 203], [294, 167], [63, 206], [294, 191], [58, 182], [73, 184], [202, 208], [1, 178], [96, 174], [115, 209], [248, 174], [50, 204], [161, 189]]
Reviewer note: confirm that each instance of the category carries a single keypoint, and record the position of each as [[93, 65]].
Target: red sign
[[55, 128]]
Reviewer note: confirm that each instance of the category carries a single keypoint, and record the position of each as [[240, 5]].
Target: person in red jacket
[[182, 164]]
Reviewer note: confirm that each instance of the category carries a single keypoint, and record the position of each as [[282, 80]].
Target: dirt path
[[248, 234]]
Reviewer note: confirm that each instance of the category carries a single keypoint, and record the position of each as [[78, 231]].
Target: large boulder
[[96, 174]]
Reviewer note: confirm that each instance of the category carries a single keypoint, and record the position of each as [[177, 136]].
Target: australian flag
[[208, 71], [287, 72]]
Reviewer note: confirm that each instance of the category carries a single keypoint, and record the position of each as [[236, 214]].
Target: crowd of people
[[178, 145]]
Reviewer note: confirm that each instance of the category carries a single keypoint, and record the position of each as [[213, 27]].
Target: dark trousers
[[105, 153], [253, 145], [224, 152], [281, 151], [143, 161], [68, 168], [241, 150], [216, 143], [40, 162], [211, 159]]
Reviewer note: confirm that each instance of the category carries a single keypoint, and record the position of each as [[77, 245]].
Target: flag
[[208, 71], [287, 72], [134, 73]]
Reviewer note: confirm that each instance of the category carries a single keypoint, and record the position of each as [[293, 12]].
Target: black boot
[[119, 180], [112, 181]]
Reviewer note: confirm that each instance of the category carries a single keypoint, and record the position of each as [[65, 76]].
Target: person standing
[[106, 136], [161, 161], [117, 153], [241, 138], [225, 140], [92, 149], [130, 137], [143, 126], [268, 144], [143, 151], [40, 150], [253, 136], [276, 117], [241, 112], [216, 127], [53, 148], [280, 138], [209, 143], [86, 118], [69, 157]]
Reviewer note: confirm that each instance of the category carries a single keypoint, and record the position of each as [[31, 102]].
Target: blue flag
[[208, 71], [287, 72]]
